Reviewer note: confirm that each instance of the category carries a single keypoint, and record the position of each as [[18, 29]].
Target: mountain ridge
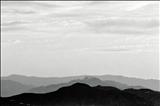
[[80, 94], [131, 81], [9, 88], [92, 81]]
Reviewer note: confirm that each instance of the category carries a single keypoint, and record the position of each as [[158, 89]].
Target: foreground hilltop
[[80, 94]]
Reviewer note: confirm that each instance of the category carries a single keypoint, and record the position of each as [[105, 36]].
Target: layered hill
[[80, 94], [10, 88], [92, 81], [42, 81]]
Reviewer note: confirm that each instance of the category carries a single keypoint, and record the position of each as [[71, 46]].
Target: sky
[[67, 38]]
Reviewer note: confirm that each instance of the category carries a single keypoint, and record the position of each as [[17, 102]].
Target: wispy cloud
[[71, 36], [124, 26], [13, 23], [66, 20]]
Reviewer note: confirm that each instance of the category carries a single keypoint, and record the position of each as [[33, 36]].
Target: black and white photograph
[[80, 53]]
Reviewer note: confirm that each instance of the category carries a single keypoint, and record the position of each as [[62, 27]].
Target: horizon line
[[82, 75]]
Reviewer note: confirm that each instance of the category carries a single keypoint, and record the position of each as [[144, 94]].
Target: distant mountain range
[[42, 81], [80, 94], [92, 81], [10, 88], [16, 84]]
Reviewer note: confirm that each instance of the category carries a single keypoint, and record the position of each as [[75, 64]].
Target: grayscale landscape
[[80, 53]]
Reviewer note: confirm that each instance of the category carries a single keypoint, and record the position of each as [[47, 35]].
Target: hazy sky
[[68, 38]]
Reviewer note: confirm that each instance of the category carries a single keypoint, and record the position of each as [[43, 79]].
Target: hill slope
[[81, 95], [92, 81], [9, 88], [40, 81]]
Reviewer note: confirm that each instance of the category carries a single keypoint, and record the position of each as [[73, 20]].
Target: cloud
[[121, 48], [124, 26], [11, 26], [143, 5], [114, 50], [67, 19], [13, 23], [104, 49], [17, 41], [95, 16], [13, 29], [11, 42], [17, 11], [29, 4], [124, 22]]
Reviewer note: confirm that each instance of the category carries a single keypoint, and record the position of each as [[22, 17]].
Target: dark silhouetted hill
[[80, 94], [152, 96]]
